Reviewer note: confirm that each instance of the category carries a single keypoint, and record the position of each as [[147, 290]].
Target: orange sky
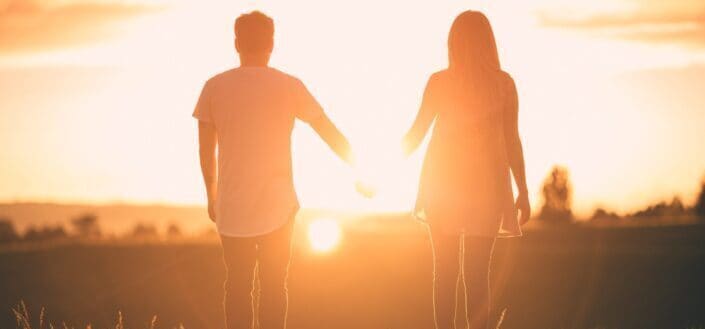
[[96, 96]]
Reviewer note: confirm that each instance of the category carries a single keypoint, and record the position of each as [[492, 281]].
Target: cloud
[[28, 26], [683, 25]]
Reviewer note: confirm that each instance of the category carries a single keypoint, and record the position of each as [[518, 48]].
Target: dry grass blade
[[41, 318], [119, 324], [22, 316], [24, 322], [501, 318]]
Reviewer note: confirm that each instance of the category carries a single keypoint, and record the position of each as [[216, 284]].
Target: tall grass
[[24, 321]]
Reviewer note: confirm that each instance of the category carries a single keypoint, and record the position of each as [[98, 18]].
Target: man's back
[[246, 116], [253, 110]]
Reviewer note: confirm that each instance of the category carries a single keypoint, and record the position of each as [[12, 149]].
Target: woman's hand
[[522, 204]]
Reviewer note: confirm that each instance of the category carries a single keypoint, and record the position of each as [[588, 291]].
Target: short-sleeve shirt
[[253, 111]]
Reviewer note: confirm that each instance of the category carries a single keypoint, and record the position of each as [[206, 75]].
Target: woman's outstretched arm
[[422, 123], [515, 153]]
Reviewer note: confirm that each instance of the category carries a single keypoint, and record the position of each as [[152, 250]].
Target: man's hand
[[522, 204], [211, 194], [211, 210], [207, 144]]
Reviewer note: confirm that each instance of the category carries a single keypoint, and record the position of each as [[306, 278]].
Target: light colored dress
[[465, 186]]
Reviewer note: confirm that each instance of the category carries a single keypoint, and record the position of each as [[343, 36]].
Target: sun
[[324, 234]]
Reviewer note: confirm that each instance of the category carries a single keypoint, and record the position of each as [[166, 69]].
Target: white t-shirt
[[253, 111]]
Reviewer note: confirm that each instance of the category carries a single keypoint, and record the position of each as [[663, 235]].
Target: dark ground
[[556, 278]]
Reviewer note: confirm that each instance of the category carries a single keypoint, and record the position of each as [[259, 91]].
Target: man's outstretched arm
[[333, 137], [207, 142]]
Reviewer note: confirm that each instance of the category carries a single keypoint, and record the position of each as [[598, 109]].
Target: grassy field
[[569, 277]]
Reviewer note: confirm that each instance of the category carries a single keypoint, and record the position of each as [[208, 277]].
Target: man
[[248, 114]]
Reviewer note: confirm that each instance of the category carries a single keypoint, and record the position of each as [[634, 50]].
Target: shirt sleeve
[[202, 112], [306, 107]]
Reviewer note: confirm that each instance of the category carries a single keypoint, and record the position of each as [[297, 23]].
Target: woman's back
[[467, 143]]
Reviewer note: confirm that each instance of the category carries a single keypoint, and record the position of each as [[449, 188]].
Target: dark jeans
[[269, 255], [468, 258]]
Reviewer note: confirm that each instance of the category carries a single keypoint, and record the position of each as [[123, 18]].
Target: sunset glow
[[96, 96], [317, 164]]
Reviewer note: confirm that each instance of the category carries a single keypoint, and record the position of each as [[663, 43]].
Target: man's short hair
[[254, 32]]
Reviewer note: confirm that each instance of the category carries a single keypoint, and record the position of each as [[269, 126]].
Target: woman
[[465, 191]]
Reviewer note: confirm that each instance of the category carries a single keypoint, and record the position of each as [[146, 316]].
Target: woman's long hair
[[472, 50]]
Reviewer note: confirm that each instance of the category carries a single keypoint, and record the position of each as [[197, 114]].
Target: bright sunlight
[[324, 234]]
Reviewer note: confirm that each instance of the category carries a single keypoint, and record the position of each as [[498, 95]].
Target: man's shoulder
[[285, 76], [215, 79], [241, 72], [221, 76]]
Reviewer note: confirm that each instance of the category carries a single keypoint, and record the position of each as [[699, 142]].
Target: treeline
[[84, 228], [557, 194]]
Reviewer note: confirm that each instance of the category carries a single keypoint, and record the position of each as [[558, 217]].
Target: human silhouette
[[248, 114], [465, 191]]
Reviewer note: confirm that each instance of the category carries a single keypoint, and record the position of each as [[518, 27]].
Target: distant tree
[[601, 213], [7, 231], [700, 202], [676, 208], [86, 226], [173, 231], [557, 196], [144, 231]]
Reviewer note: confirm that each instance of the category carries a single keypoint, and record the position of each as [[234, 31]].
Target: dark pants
[[269, 255], [467, 258]]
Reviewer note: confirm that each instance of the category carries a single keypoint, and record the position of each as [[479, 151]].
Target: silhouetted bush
[[7, 231], [144, 231], [699, 207], [45, 233], [209, 233], [173, 231], [557, 196], [601, 213], [663, 209], [86, 226]]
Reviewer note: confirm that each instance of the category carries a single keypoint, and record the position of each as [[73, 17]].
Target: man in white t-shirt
[[248, 114]]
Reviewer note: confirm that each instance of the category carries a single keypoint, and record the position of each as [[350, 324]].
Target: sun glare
[[324, 234]]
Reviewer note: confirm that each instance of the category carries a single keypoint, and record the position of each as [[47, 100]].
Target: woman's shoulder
[[438, 75], [438, 79], [505, 80]]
